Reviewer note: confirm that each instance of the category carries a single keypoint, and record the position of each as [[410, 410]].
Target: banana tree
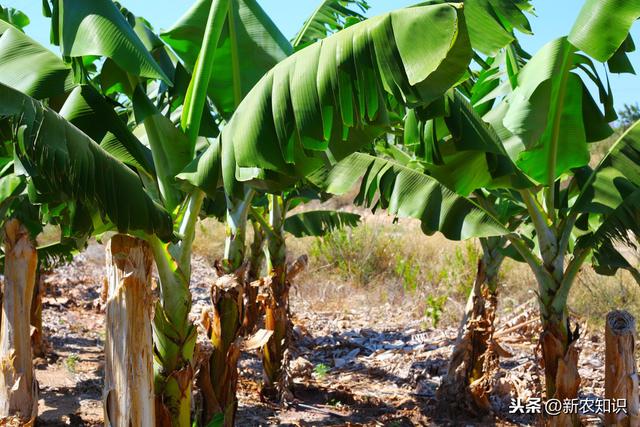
[[18, 386], [528, 126], [47, 150], [274, 221], [216, 31], [347, 89], [37, 72], [418, 148], [129, 74], [474, 360], [426, 145], [243, 26], [84, 107], [184, 37]]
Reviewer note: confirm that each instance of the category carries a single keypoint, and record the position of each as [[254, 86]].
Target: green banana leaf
[[620, 62], [330, 16], [249, 46], [472, 156], [603, 25], [87, 110], [615, 177], [607, 260], [319, 223], [491, 23], [407, 193], [31, 68], [55, 153], [552, 114], [170, 147], [13, 17], [610, 198], [204, 171], [328, 100], [97, 27]]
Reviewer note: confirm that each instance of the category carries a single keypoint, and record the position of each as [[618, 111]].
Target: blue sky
[[554, 19]]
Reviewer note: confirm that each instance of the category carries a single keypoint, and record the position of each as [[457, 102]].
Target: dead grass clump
[[593, 296], [381, 262], [209, 241]]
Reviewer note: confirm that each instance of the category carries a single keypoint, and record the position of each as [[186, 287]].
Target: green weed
[[407, 270], [435, 307], [321, 370], [358, 255], [71, 362]]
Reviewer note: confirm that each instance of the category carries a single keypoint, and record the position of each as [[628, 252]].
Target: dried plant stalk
[[18, 386], [621, 375], [128, 385]]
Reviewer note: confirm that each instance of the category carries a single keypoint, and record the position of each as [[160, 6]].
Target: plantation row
[[434, 111]]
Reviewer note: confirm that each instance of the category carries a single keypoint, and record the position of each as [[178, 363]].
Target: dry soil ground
[[365, 363]]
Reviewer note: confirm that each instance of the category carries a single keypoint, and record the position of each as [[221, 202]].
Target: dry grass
[[593, 296], [209, 241], [381, 262]]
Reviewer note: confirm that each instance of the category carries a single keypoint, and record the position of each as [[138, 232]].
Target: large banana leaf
[[603, 25], [472, 156], [607, 260], [609, 202], [330, 16], [491, 22], [319, 223], [328, 100], [31, 68], [59, 156], [614, 182], [620, 224], [97, 27], [87, 110], [552, 114], [204, 171], [13, 17], [170, 147], [250, 45], [407, 193]]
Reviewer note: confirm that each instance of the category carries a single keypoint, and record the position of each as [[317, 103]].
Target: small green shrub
[[358, 254], [71, 362], [435, 307], [321, 370], [408, 270], [458, 270]]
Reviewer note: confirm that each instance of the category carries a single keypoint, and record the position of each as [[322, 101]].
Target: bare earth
[[368, 365]]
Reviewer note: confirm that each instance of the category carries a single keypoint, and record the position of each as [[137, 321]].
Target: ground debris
[[351, 367]]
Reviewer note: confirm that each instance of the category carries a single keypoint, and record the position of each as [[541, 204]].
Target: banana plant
[[128, 64], [51, 155], [238, 200], [474, 360], [526, 129], [35, 71], [234, 72], [346, 84], [426, 145], [89, 110], [201, 50], [473, 355], [273, 222]]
